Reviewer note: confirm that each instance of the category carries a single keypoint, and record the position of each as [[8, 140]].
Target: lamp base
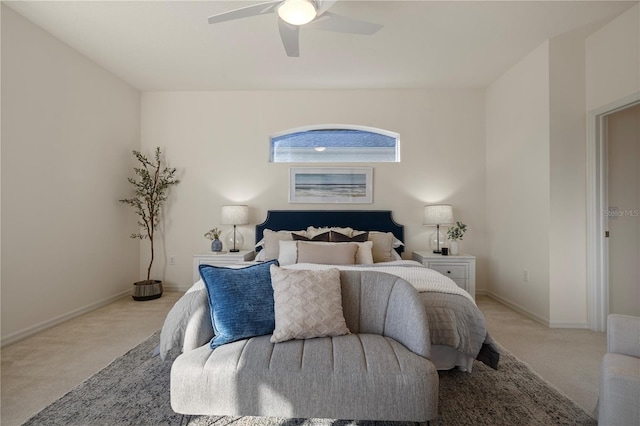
[[234, 240], [437, 241]]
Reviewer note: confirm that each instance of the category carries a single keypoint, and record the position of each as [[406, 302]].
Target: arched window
[[335, 144]]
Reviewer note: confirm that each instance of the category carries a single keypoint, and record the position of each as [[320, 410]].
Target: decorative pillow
[[288, 253], [382, 246], [241, 301], [338, 237], [307, 304], [319, 237], [364, 255], [313, 231], [396, 242], [327, 253], [272, 241]]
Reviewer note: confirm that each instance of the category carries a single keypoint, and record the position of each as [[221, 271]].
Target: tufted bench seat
[[379, 372]]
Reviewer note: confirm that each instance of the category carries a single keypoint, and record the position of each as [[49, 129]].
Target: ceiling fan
[[292, 14]]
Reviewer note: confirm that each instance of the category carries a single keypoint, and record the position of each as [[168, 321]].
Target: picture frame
[[331, 185]]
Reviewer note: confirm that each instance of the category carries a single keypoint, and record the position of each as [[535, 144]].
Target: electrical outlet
[[525, 275], [172, 260]]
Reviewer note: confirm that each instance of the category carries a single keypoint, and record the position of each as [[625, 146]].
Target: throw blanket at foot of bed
[[380, 371]]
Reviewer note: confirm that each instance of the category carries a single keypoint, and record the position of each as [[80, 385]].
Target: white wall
[[68, 127], [518, 173], [567, 157], [613, 60], [219, 141]]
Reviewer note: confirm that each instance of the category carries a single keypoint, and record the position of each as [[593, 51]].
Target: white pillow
[[288, 253], [364, 255], [272, 239], [395, 255], [312, 231], [307, 304]]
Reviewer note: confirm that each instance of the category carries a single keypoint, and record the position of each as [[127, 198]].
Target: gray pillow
[[327, 253]]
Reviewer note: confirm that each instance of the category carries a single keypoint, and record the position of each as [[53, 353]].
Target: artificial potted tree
[[151, 184]]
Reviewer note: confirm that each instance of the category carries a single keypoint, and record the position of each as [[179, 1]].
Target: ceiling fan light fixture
[[297, 12]]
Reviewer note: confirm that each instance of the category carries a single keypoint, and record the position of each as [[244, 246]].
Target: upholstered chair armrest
[[406, 319], [384, 304], [623, 335], [188, 323], [198, 330]]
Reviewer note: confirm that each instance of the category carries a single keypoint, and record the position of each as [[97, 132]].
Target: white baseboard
[[555, 324], [516, 307], [23, 334]]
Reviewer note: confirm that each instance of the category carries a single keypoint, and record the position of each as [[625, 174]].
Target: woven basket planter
[[147, 290]]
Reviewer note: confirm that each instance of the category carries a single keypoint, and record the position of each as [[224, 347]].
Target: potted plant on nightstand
[[151, 184], [214, 236], [456, 233]]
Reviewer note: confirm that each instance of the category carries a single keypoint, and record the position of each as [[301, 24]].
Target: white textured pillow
[[307, 304]]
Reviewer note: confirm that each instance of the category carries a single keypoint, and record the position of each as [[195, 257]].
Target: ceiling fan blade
[[324, 5], [290, 35], [331, 22], [245, 12]]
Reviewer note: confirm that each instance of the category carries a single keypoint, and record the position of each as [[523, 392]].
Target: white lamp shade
[[235, 215], [438, 214], [297, 12]]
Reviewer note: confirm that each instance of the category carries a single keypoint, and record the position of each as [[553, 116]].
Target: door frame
[[597, 245]]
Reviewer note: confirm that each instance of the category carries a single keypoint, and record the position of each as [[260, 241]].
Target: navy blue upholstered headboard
[[362, 220]]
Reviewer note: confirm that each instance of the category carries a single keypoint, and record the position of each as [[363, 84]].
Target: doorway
[[623, 211], [612, 197]]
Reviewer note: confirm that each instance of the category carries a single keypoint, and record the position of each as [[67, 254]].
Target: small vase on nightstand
[[216, 245], [454, 247]]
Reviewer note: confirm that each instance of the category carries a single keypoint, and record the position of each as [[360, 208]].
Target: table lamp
[[438, 214], [235, 215]]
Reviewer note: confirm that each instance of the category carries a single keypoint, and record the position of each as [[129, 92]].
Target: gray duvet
[[454, 321]]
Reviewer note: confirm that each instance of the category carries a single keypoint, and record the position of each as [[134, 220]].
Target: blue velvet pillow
[[241, 301]]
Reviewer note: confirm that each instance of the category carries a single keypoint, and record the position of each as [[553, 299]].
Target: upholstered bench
[[381, 371]]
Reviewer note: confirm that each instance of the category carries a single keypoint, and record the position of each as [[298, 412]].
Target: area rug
[[134, 390]]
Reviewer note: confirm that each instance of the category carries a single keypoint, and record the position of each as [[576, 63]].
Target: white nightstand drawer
[[220, 259], [452, 271], [461, 268]]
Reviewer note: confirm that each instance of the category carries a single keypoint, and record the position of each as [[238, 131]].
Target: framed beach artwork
[[331, 185]]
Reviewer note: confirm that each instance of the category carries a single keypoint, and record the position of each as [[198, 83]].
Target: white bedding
[[423, 279]]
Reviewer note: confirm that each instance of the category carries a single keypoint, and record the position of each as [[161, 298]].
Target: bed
[[456, 325]]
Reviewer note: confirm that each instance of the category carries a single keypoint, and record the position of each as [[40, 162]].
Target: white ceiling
[[168, 45]]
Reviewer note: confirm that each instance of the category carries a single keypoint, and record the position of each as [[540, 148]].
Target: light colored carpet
[[133, 390], [568, 358], [42, 368]]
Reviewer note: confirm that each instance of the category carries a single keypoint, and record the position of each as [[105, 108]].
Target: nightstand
[[461, 269], [220, 259]]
